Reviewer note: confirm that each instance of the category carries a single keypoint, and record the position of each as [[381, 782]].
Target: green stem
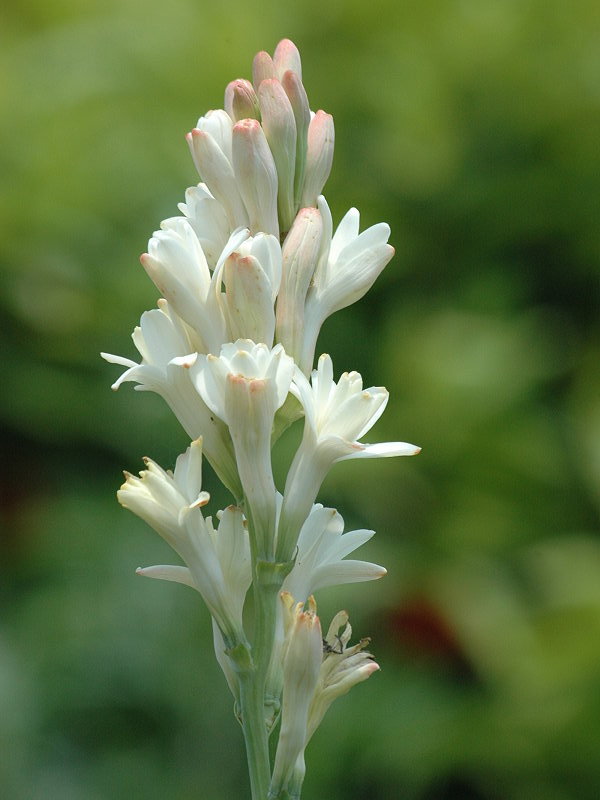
[[255, 734], [268, 577]]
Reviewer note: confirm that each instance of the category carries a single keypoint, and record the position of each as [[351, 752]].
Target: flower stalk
[[248, 273]]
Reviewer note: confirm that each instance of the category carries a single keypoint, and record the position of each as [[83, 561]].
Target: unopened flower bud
[[241, 101], [262, 68], [287, 57], [248, 299], [256, 176], [220, 126], [279, 125], [300, 251], [299, 101], [319, 157]]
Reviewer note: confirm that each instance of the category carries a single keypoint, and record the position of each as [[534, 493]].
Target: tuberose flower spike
[[248, 272]]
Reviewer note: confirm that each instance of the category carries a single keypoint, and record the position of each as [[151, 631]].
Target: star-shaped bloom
[[337, 415], [217, 560]]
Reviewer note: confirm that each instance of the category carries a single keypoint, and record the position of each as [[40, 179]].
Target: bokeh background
[[473, 127]]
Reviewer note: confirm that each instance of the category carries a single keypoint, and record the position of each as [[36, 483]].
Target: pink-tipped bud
[[319, 157], [263, 68], [279, 125], [241, 101], [256, 175], [287, 57]]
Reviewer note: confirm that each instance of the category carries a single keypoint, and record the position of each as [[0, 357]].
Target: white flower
[[237, 165], [241, 101], [321, 556], [348, 266], [285, 67], [256, 175], [244, 387], [336, 416], [287, 57], [320, 561], [217, 560], [177, 265], [279, 125], [165, 343]]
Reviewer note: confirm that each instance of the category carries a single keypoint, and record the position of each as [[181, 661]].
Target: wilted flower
[[316, 670], [301, 669]]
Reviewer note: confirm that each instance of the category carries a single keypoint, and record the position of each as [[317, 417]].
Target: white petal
[[347, 571], [382, 450], [165, 572], [346, 232]]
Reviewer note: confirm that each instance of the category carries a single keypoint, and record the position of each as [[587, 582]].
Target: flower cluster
[[248, 273]]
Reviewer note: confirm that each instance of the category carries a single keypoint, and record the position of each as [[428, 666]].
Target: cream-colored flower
[[348, 266], [337, 415], [166, 345], [316, 670], [217, 560]]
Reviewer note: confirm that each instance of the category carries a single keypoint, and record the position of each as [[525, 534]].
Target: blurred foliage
[[472, 126]]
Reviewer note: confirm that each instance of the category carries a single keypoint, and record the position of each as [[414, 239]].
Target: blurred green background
[[473, 127]]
